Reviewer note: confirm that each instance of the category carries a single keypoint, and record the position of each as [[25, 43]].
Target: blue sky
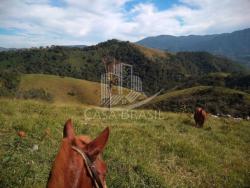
[[27, 23], [160, 4]]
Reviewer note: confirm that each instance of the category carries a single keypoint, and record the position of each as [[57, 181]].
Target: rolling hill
[[216, 100], [77, 73], [235, 45], [157, 69], [62, 89]]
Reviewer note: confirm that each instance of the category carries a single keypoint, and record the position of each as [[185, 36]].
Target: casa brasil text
[[122, 114]]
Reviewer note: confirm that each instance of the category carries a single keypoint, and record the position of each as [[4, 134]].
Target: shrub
[[71, 93], [36, 94]]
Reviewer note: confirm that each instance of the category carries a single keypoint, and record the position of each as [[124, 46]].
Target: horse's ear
[[68, 131], [96, 146]]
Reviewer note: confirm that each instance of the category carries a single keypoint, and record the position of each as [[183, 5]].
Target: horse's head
[[78, 162], [199, 109]]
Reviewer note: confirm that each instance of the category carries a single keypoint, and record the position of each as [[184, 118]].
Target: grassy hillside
[[152, 53], [63, 89], [214, 99], [141, 152]]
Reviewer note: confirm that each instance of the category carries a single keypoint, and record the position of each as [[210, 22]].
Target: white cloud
[[38, 22]]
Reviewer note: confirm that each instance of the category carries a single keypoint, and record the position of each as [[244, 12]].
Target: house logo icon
[[119, 86]]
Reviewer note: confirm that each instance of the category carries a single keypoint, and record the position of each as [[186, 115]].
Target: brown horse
[[200, 117], [78, 162]]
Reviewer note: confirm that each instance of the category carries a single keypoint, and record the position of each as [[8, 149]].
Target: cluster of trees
[[9, 82], [233, 81], [238, 81]]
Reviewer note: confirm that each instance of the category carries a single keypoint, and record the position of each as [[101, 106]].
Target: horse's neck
[[68, 170]]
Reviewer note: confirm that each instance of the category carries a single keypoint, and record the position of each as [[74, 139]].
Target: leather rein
[[91, 170]]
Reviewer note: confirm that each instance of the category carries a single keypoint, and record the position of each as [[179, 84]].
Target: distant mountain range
[[3, 49], [235, 45], [67, 46]]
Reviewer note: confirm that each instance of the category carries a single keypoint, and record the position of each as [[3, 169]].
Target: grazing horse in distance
[[199, 117], [78, 162]]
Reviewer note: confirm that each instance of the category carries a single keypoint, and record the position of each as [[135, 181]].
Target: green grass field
[[142, 151]]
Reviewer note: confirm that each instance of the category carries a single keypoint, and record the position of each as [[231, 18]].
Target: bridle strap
[[92, 172]]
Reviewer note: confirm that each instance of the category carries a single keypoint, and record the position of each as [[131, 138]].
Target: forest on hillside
[[157, 72]]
